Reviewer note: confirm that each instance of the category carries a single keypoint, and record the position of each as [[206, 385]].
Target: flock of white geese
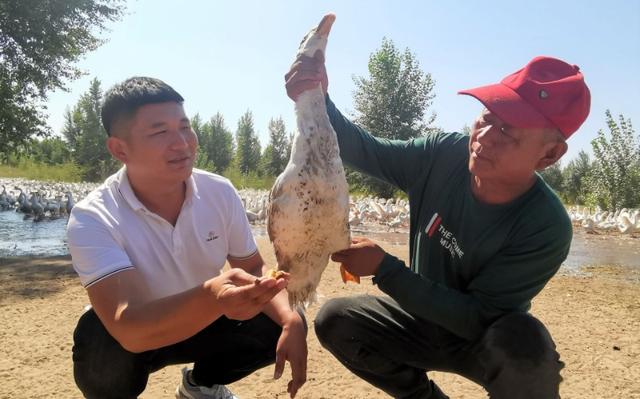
[[595, 220], [364, 212], [41, 201]]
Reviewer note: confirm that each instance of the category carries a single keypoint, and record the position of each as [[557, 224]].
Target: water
[[20, 237]]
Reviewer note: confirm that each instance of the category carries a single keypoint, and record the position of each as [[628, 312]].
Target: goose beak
[[324, 27]]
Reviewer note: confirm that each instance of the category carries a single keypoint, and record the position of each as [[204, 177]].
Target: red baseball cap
[[547, 92]]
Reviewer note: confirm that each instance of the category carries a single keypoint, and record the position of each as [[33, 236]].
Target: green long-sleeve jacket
[[470, 262]]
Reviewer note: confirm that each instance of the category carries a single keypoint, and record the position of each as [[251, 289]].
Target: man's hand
[[362, 258], [241, 295], [305, 74], [292, 347]]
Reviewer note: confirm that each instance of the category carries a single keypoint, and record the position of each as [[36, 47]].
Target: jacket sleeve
[[394, 161], [506, 284]]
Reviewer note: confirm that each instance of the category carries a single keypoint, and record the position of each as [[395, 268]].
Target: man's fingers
[[317, 60], [305, 67], [298, 373], [319, 56], [239, 277], [339, 257], [302, 86], [299, 77], [260, 288], [290, 390], [361, 243], [305, 73], [273, 287], [277, 372], [295, 89]]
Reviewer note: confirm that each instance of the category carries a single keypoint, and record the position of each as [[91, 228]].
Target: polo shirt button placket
[[177, 242]]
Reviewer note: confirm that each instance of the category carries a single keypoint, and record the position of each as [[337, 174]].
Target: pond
[[20, 237]]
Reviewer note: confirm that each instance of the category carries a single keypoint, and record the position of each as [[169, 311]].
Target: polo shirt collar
[[191, 192], [124, 187]]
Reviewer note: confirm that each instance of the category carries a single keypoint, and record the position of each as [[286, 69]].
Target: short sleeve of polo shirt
[[95, 251], [242, 245]]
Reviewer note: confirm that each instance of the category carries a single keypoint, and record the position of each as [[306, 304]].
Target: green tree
[[50, 151], [219, 143], [552, 175], [276, 154], [248, 150], [70, 130], [202, 160], [90, 150], [615, 176], [196, 125], [392, 103], [574, 176], [40, 40]]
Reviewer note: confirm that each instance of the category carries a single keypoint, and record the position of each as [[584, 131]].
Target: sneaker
[[187, 391]]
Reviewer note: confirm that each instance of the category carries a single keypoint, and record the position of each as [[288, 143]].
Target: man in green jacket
[[486, 235]]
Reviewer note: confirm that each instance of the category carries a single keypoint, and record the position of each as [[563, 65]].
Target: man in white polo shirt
[[149, 246]]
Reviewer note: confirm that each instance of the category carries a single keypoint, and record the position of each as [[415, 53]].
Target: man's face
[[503, 153], [159, 143]]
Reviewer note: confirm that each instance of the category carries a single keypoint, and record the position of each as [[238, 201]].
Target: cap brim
[[508, 106]]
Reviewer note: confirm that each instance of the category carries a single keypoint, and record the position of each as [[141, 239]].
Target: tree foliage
[[196, 124], [40, 40], [615, 175], [50, 151], [574, 177], [552, 175], [84, 129], [277, 153], [248, 146], [392, 103], [217, 143]]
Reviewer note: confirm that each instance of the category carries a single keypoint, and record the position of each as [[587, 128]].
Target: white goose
[[308, 214]]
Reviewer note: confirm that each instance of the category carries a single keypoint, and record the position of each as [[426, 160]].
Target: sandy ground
[[594, 318]]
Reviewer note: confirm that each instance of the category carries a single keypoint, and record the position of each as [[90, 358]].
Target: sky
[[231, 56]]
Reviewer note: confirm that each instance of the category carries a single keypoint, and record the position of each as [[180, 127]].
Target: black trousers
[[224, 352], [391, 349]]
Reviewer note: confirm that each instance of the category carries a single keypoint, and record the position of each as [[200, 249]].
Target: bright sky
[[231, 56]]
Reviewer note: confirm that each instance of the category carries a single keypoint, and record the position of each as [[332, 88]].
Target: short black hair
[[124, 99]]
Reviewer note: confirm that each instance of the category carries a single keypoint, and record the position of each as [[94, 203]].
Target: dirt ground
[[594, 319]]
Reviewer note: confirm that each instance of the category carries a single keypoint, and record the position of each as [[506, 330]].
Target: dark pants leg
[[378, 341], [224, 352], [517, 359]]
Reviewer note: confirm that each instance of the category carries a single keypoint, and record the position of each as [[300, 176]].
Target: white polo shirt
[[111, 230]]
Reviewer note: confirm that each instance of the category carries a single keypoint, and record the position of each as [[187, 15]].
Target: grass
[[250, 180], [66, 172]]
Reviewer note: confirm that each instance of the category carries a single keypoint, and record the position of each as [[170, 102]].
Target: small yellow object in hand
[[274, 273]]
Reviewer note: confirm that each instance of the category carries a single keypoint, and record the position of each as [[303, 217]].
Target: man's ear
[[118, 148], [554, 152]]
